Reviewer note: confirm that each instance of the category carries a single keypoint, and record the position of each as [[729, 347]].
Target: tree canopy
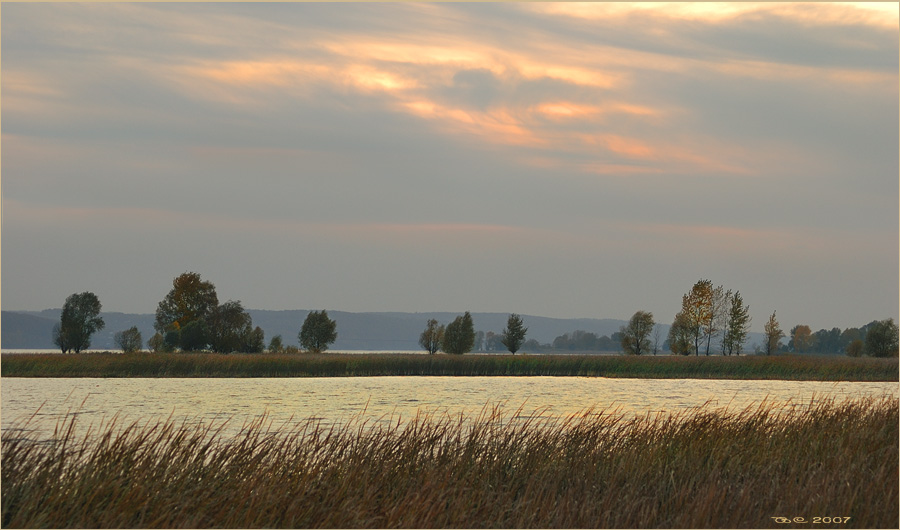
[[459, 335], [636, 334], [318, 332], [432, 337], [514, 334], [79, 320], [190, 299]]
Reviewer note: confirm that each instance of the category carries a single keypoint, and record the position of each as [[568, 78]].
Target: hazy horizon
[[559, 160]]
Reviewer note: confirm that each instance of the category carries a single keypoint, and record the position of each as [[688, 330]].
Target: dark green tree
[[881, 339], [229, 326], [432, 337], [636, 334], [459, 335], [254, 341], [79, 320], [129, 340], [318, 332], [190, 299], [737, 325], [513, 335], [681, 335], [194, 336]]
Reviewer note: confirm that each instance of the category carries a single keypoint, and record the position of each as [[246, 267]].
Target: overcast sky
[[563, 160]]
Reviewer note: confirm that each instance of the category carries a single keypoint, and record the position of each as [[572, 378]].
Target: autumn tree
[[276, 345], [774, 334], [681, 335], [79, 320], [459, 335], [737, 325], [636, 334], [881, 339], [432, 337], [318, 332], [698, 315], [190, 299], [801, 339], [513, 335], [129, 340]]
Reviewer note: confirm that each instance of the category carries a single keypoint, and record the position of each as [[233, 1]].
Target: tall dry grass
[[701, 469], [795, 367]]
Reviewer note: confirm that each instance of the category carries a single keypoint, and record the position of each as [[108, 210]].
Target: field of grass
[[698, 469], [788, 367]]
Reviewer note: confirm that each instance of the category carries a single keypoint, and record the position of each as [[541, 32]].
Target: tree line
[[711, 319], [189, 318]]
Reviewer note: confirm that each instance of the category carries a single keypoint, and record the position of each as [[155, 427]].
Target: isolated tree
[[513, 335], [737, 325], [129, 340], [229, 325], [881, 339], [79, 320], [774, 334], [459, 335], [801, 339], [275, 345], [318, 332], [432, 337], [190, 299], [636, 334], [681, 335]]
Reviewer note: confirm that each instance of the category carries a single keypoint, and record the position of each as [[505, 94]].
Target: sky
[[561, 160]]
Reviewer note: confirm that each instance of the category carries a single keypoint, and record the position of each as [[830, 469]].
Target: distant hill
[[356, 331]]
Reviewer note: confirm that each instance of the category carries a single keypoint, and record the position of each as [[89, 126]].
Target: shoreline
[[158, 365]]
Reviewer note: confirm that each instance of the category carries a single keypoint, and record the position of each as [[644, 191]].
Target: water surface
[[376, 399]]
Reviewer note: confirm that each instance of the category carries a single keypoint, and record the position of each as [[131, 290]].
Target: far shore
[[151, 365]]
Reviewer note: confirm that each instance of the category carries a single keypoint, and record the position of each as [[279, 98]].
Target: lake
[[382, 399]]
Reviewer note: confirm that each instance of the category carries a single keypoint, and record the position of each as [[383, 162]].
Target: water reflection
[[385, 399]]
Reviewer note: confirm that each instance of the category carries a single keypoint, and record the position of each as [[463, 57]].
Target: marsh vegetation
[[699, 469]]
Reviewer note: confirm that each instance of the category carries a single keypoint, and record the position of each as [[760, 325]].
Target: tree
[[737, 325], [157, 344], [514, 334], [432, 337], [79, 320], [881, 339], [318, 332], [275, 345], [636, 335], [855, 348], [681, 335], [254, 341], [190, 299], [697, 307], [774, 334], [129, 340], [801, 338], [229, 327], [459, 335]]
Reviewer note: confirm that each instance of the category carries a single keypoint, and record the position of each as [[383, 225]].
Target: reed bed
[[790, 367], [705, 468]]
